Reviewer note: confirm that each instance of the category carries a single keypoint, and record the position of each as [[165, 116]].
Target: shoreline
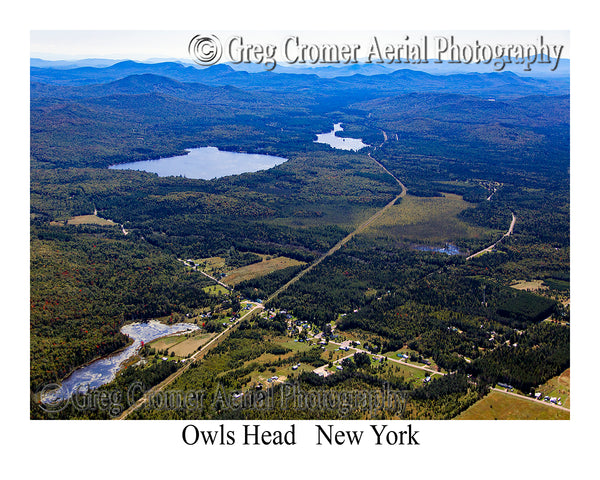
[[130, 343]]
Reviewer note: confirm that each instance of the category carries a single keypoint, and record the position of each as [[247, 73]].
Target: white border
[[98, 449]]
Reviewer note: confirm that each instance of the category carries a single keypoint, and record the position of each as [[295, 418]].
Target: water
[[205, 163], [104, 370], [341, 143], [449, 249]]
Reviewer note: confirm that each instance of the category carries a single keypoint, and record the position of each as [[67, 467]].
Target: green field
[[216, 290]]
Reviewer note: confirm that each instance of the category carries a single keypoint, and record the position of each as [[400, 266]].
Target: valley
[[403, 252]]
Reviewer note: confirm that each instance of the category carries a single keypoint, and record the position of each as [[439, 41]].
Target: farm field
[[181, 345], [259, 269], [499, 406]]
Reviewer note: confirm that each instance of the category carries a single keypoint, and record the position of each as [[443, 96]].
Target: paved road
[[433, 372], [359, 350], [553, 405], [203, 350], [228, 287], [346, 239]]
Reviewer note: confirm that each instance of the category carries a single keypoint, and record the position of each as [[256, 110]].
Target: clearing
[[428, 220], [530, 286], [86, 220]]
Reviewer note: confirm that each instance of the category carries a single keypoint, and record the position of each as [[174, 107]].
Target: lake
[[204, 163], [340, 143], [104, 370]]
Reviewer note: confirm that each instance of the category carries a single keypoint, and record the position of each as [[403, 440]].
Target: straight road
[[347, 238], [203, 350]]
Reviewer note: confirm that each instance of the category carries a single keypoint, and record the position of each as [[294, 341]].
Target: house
[[537, 395], [339, 367]]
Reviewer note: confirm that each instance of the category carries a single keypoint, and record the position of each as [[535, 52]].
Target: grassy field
[[499, 406], [428, 220], [216, 290], [86, 220], [211, 265], [414, 376], [295, 346], [332, 353], [531, 285], [259, 269]]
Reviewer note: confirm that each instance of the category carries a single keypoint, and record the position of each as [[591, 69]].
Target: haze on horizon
[[149, 45]]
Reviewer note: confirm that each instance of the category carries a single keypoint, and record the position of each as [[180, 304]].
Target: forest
[[471, 152]]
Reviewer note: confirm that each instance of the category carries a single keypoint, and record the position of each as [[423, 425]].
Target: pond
[[204, 163], [449, 249], [341, 143], [104, 370]]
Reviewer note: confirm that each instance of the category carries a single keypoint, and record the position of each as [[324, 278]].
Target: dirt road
[[493, 245]]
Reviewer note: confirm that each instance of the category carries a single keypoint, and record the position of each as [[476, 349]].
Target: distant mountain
[[329, 71], [145, 84], [446, 68], [432, 67], [358, 86], [532, 111], [86, 62]]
